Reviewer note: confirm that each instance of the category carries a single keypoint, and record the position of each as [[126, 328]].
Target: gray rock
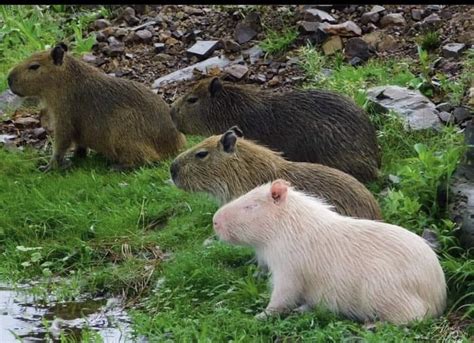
[[444, 107], [416, 14], [237, 71], [356, 61], [462, 187], [308, 26], [100, 24], [377, 9], [231, 46], [89, 58], [26, 121], [346, 29], [461, 114], [332, 45], [159, 47], [121, 32], [203, 49], [142, 26], [453, 50], [369, 17], [417, 111], [313, 14], [187, 73], [244, 33], [143, 36], [39, 132], [356, 47], [9, 101], [393, 19], [128, 15], [253, 54], [115, 47], [432, 19], [4, 139], [446, 117]]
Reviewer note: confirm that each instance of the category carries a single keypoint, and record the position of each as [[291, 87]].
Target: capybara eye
[[202, 154], [192, 99], [33, 66]]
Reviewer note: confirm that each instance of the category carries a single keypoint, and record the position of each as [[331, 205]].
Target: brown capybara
[[228, 166], [305, 125], [362, 269], [119, 118]]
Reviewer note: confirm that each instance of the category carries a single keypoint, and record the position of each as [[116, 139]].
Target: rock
[[461, 208], [26, 121], [231, 46], [159, 47], [237, 71], [377, 9], [313, 14], [261, 78], [128, 15], [332, 45], [253, 54], [369, 17], [453, 50], [9, 101], [5, 139], [100, 36], [446, 117], [318, 37], [121, 32], [39, 133], [203, 49], [115, 47], [416, 14], [143, 36], [187, 73], [346, 29], [274, 81], [142, 26], [470, 95], [177, 34], [414, 108], [432, 19], [461, 114], [356, 61], [308, 26], [248, 28], [393, 19], [444, 107], [388, 43], [89, 58], [356, 47], [100, 24]]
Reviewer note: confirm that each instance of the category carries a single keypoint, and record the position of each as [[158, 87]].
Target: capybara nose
[[174, 170]]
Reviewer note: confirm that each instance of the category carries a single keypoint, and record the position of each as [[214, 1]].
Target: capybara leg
[[80, 152], [303, 308], [60, 146], [283, 299]]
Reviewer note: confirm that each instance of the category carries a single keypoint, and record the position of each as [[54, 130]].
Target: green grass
[[29, 28], [430, 40], [278, 42], [93, 230]]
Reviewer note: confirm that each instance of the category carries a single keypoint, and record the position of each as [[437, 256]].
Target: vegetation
[[278, 42], [91, 230]]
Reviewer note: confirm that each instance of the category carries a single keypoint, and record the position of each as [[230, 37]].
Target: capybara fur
[[119, 118], [362, 269], [305, 125], [229, 166]]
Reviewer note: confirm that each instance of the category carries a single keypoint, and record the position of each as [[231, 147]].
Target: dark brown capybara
[[305, 125], [229, 166], [119, 118]]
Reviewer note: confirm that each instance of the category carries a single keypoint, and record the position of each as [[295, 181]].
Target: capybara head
[[223, 166], [191, 111], [250, 219], [41, 70]]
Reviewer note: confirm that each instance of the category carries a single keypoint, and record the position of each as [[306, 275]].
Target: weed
[[278, 42], [429, 41]]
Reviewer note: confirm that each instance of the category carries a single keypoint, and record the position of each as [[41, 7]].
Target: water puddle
[[23, 319]]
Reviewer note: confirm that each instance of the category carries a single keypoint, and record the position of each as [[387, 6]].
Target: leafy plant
[[429, 41], [278, 42]]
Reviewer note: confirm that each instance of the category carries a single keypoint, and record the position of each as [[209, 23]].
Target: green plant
[[278, 42], [429, 41], [423, 81]]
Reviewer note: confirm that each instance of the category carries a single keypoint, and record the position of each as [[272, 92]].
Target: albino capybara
[[229, 166], [363, 269], [305, 125], [119, 118]]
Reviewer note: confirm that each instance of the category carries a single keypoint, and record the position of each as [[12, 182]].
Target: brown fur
[[306, 125], [229, 174], [119, 118]]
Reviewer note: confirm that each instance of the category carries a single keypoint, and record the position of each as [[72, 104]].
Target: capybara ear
[[228, 140], [215, 86], [58, 53], [238, 132], [279, 191]]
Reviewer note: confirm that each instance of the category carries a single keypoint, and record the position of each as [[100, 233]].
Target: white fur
[[365, 270]]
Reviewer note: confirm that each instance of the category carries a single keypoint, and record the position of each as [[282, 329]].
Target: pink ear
[[279, 190]]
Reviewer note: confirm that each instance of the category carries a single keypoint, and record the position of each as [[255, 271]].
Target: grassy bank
[[93, 230]]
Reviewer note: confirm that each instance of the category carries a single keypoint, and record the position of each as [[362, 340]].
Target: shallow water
[[22, 319]]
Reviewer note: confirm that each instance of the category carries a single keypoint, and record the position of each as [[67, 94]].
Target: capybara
[[228, 166], [119, 118], [305, 125], [362, 269]]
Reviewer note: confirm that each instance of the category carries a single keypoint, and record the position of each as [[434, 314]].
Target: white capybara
[[363, 269]]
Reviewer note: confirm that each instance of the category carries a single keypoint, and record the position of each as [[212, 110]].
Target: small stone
[[453, 50], [332, 45], [39, 132], [396, 19], [444, 107], [188, 37], [356, 61], [100, 24], [203, 49], [461, 114], [346, 29], [89, 58], [128, 15], [261, 78], [159, 47], [356, 47], [244, 33], [369, 17], [253, 54], [446, 117], [231, 46], [308, 26], [237, 71], [313, 14], [115, 47], [274, 81], [121, 32], [177, 34], [171, 41], [388, 43], [416, 14], [26, 121], [432, 19], [377, 9], [470, 95], [143, 35], [100, 36]]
